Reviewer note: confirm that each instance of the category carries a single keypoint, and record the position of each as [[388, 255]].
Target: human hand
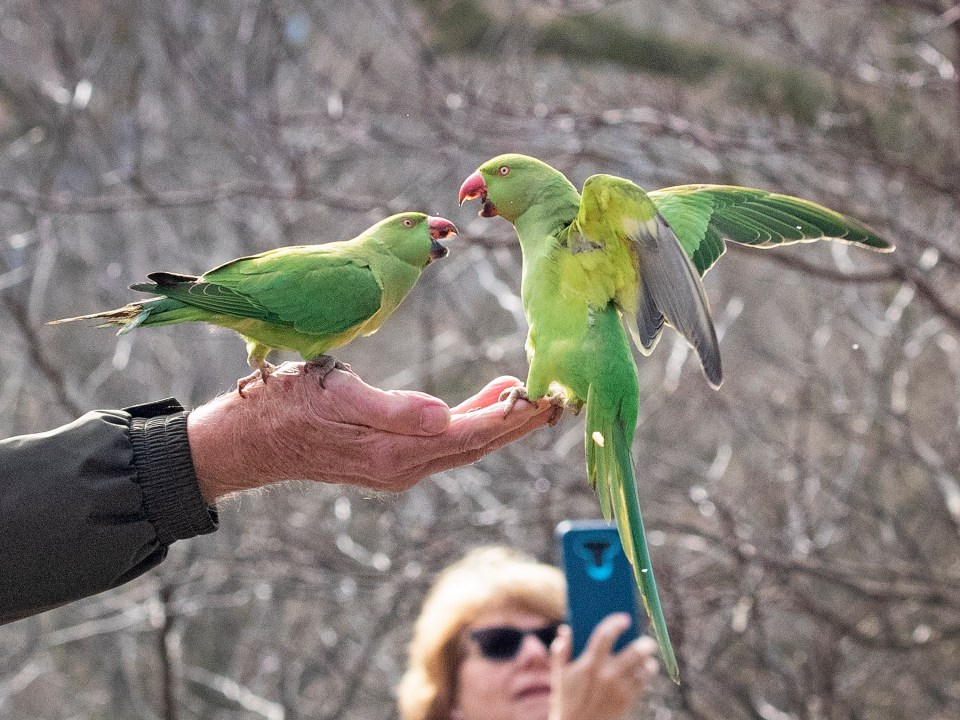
[[290, 428], [599, 684]]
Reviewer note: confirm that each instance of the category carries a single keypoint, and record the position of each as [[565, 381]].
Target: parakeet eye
[[407, 222], [504, 169]]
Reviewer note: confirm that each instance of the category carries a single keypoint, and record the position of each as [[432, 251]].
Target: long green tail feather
[[159, 311], [610, 470]]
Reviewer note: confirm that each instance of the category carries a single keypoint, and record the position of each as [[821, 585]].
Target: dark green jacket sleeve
[[93, 504]]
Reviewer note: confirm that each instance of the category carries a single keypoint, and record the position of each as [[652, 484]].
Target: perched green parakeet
[[304, 298], [617, 254]]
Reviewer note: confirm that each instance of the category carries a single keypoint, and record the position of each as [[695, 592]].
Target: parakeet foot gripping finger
[[322, 365], [511, 395], [262, 372], [557, 400]]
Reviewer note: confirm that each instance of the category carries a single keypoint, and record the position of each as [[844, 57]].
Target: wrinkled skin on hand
[[347, 432]]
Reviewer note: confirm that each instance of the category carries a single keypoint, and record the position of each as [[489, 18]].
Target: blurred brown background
[[805, 518]]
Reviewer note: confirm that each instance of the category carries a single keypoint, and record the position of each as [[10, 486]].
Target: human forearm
[[93, 504]]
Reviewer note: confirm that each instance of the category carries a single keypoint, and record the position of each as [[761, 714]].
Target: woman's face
[[517, 688]]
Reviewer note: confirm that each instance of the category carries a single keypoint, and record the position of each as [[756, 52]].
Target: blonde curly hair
[[487, 578]]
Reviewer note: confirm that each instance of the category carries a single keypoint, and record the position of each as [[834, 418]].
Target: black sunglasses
[[502, 643]]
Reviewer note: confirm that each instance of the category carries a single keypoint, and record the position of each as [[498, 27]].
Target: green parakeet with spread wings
[[614, 255], [305, 298]]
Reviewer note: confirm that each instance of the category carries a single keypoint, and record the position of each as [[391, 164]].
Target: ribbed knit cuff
[[165, 473]]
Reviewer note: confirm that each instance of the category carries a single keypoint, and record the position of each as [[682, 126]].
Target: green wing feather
[[703, 216], [649, 270], [289, 286], [206, 296]]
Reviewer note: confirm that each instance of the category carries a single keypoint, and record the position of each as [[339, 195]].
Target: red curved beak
[[473, 187], [440, 228]]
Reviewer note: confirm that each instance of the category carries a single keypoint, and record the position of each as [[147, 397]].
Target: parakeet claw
[[510, 396], [263, 371], [518, 392], [323, 365], [559, 403]]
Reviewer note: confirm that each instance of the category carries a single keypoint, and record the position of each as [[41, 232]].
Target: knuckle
[[609, 676]]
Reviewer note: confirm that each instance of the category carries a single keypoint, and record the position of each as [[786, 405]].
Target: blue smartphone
[[599, 579]]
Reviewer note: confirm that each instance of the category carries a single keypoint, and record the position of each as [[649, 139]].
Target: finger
[[631, 659], [476, 434], [561, 647], [543, 418], [605, 635], [353, 401], [422, 460], [637, 683], [560, 651], [646, 645], [649, 668], [481, 426], [489, 395], [457, 459]]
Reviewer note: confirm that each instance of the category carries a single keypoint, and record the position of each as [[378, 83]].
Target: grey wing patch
[[649, 321], [579, 244], [671, 290]]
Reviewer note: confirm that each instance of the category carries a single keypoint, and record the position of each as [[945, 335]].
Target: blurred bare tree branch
[[805, 519]]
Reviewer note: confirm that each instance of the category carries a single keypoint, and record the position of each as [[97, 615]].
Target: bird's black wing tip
[[168, 278]]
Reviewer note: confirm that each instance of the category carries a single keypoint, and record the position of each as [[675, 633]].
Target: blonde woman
[[489, 644]]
